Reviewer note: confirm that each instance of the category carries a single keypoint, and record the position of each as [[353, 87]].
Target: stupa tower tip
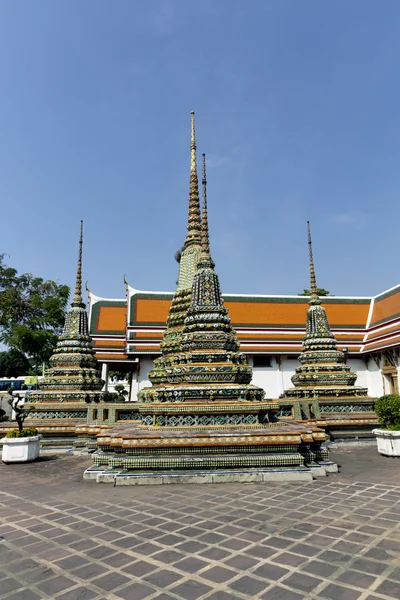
[[194, 219], [314, 298], [77, 299], [205, 236]]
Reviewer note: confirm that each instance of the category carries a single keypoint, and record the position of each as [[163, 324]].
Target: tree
[[13, 364], [320, 291], [32, 313]]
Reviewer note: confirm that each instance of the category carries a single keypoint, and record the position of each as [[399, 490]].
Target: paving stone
[[25, 595], [39, 574], [287, 558], [139, 568], [335, 557], [111, 581], [100, 552], [71, 562], [338, 592], [215, 553], [261, 551], [23, 565], [248, 585], [221, 595], [320, 568], [163, 578], [191, 547], [279, 543], [241, 562], [356, 579], [119, 560], [90, 570], [368, 566], [302, 582], [389, 588], [168, 556], [190, 590], [146, 549], [54, 585], [280, 593], [78, 593], [268, 571], [395, 574], [9, 585], [136, 591], [218, 574], [191, 564]]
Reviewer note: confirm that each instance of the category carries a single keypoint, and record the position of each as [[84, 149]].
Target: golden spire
[[78, 282], [205, 237], [193, 161], [314, 298], [194, 219]]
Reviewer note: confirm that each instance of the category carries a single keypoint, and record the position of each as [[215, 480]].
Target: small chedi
[[72, 382], [324, 385], [202, 420]]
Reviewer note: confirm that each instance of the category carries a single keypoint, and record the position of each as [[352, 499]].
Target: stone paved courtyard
[[335, 539]]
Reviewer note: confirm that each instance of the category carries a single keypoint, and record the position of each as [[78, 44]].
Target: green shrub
[[388, 410], [28, 432]]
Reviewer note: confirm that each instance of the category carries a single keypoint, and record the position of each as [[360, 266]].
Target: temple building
[[127, 334]]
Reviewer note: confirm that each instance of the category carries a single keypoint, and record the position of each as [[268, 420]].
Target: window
[[262, 360]]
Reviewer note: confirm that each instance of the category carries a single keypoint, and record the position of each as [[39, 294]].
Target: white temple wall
[[146, 364], [375, 379], [276, 378], [266, 378], [357, 366]]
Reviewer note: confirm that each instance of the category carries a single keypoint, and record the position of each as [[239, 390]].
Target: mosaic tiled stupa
[[73, 380], [202, 420], [324, 383]]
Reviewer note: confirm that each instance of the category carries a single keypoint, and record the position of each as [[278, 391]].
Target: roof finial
[[194, 219], [314, 298], [193, 162], [78, 282]]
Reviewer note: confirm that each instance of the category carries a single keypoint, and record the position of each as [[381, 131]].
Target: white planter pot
[[17, 450], [388, 441]]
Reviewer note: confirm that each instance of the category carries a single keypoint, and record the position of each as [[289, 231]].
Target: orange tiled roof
[[263, 323]]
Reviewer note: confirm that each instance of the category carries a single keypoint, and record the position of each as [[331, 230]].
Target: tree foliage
[[388, 410], [13, 364], [32, 313], [320, 292]]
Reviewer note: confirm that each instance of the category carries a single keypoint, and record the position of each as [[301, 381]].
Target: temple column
[[104, 376]]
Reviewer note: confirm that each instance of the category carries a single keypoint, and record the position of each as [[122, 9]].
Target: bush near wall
[[388, 410]]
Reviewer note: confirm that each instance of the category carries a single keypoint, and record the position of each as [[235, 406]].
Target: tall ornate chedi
[[323, 373], [207, 367], [73, 379], [189, 258], [202, 420]]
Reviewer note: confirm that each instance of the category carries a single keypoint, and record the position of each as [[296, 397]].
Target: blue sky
[[297, 108]]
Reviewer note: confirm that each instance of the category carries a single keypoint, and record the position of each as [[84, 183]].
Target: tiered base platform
[[131, 455]]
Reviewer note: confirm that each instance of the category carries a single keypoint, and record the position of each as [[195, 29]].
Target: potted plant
[[20, 445], [388, 437]]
